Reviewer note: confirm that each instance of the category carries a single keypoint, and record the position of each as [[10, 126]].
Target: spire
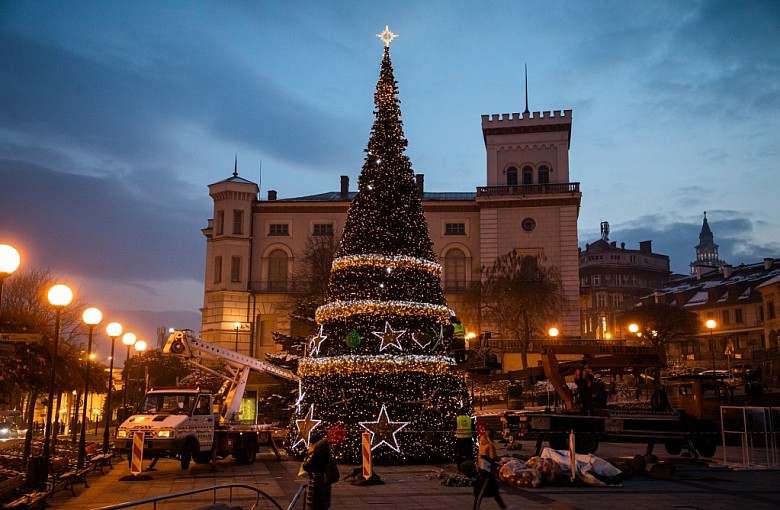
[[526, 90], [235, 167]]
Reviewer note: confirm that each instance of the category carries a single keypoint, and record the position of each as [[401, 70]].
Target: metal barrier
[[259, 496], [754, 429]]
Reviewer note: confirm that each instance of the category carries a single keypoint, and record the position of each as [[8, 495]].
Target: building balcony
[[528, 189]]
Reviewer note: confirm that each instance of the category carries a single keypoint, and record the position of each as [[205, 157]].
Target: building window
[[528, 175], [455, 271], [725, 317], [528, 224], [279, 229], [455, 229], [596, 279], [220, 222], [238, 222], [217, 269], [235, 269], [771, 309], [277, 271], [738, 316], [323, 229], [544, 174], [617, 300], [511, 176], [601, 300]]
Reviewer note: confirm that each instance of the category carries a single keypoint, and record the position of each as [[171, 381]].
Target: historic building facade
[[613, 279], [255, 248]]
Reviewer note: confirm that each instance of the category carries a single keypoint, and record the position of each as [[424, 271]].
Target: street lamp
[[129, 340], [91, 318], [711, 325], [113, 330], [238, 326], [9, 262], [59, 297], [140, 347], [553, 332]]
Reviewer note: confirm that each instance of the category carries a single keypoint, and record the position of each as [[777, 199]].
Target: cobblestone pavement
[[694, 485]]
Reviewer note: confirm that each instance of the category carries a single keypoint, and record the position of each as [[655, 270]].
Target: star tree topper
[[387, 36], [383, 430], [390, 337], [305, 427]]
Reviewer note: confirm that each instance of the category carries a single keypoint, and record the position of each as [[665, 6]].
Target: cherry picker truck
[[192, 424]]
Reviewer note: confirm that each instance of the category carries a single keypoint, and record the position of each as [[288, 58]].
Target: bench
[[26, 501], [101, 460], [64, 476]]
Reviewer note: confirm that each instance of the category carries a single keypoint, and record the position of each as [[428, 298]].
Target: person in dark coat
[[317, 459]]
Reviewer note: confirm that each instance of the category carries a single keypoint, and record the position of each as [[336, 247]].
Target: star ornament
[[383, 430], [390, 337], [316, 341], [305, 427], [387, 36]]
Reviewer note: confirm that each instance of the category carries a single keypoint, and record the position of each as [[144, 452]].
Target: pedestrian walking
[[487, 484], [316, 464]]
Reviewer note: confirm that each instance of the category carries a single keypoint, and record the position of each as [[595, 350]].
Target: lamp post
[[129, 340], [238, 326], [711, 325], [59, 297], [113, 330], [140, 347], [91, 318], [9, 262]]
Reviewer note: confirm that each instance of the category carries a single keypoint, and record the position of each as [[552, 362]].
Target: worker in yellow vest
[[464, 442], [458, 340]]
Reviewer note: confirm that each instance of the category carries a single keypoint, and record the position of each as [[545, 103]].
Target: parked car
[[8, 430]]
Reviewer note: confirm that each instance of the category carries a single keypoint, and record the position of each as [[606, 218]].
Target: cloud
[[103, 227]]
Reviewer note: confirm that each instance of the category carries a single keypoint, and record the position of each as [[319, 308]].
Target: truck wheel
[[247, 454], [706, 446], [185, 456], [202, 457], [585, 443], [674, 447]]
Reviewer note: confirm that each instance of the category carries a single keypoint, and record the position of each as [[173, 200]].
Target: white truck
[[185, 423]]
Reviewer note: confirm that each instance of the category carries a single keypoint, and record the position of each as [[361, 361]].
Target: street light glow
[[128, 339], [9, 259], [60, 295], [553, 332], [710, 324], [114, 329], [92, 316], [140, 346]]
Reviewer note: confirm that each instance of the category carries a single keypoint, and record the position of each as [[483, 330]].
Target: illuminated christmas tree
[[377, 364]]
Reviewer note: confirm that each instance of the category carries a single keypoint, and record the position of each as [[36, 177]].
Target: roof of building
[[335, 196], [733, 285]]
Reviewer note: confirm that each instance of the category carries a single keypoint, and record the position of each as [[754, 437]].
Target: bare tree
[[521, 296], [660, 324]]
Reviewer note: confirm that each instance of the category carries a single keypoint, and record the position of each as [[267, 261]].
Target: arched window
[[528, 175], [455, 271], [277, 271], [511, 176], [544, 174]]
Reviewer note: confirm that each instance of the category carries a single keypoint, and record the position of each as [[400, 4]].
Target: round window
[[529, 224]]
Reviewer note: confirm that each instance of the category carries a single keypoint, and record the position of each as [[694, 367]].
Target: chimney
[[344, 185], [646, 246], [420, 181], [271, 195], [768, 263], [726, 271]]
